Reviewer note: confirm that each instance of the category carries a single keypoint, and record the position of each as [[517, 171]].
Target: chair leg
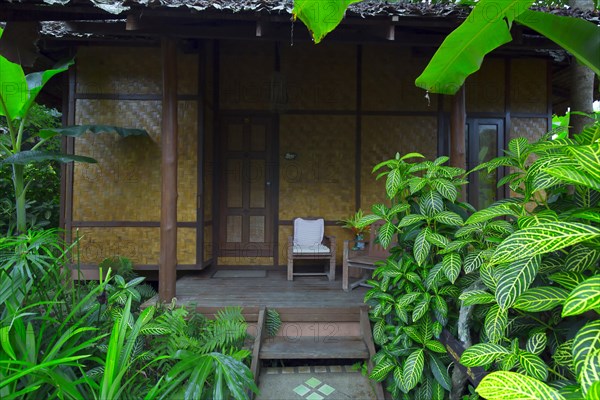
[[345, 268], [332, 269], [290, 269]]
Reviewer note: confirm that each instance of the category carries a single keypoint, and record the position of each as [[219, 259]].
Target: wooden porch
[[306, 298]]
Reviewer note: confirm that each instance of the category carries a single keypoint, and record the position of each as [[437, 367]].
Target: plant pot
[[359, 243]]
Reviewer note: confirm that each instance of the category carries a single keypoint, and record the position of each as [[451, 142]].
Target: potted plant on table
[[355, 223]]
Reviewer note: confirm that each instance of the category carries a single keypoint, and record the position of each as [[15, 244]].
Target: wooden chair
[[309, 242], [363, 259]]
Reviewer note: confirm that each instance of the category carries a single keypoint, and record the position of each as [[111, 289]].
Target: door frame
[[271, 171]]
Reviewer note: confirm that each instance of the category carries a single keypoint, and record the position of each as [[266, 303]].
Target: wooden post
[[458, 116], [167, 272]]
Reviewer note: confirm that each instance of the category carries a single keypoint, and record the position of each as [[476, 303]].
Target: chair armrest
[[329, 241]]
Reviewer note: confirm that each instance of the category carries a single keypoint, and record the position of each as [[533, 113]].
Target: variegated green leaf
[[533, 365], [516, 280], [439, 371], [518, 148], [437, 239], [544, 238], [589, 215], [379, 335], [414, 334], [421, 307], [446, 188], [431, 203], [489, 275], [495, 324], [536, 343], [569, 280], [415, 184], [593, 392], [398, 378], [451, 264], [581, 258], [413, 369], [500, 226], [586, 354], [473, 261], [411, 219], [506, 385], [538, 178], [482, 354], [449, 218], [541, 298], [537, 219], [368, 220], [426, 328], [440, 309], [563, 355], [473, 297], [550, 264], [508, 362], [585, 297], [491, 212], [422, 246], [408, 298], [381, 370], [392, 183], [588, 158], [435, 276], [380, 210], [386, 232], [436, 346], [572, 174]]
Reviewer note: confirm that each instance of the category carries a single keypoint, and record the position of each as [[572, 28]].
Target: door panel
[[246, 215], [484, 141]]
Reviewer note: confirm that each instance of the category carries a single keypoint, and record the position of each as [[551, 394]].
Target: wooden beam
[[458, 116], [167, 274]]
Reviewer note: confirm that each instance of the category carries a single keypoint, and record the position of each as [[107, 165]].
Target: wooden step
[[285, 348]]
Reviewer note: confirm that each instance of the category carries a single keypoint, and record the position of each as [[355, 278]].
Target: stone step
[[321, 348]]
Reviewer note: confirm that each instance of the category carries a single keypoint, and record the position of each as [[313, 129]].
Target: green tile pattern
[[315, 390]]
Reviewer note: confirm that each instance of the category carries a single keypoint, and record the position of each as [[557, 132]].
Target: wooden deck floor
[[314, 296]]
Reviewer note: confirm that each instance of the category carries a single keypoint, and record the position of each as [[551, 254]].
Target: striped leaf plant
[[540, 289]]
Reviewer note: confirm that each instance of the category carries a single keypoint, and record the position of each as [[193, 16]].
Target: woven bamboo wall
[[319, 77], [321, 180], [245, 72], [382, 138], [137, 244], [127, 170], [528, 88], [531, 128], [485, 88], [125, 183], [388, 80]]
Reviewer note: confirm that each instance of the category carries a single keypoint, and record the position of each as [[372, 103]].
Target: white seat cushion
[[308, 232], [311, 249]]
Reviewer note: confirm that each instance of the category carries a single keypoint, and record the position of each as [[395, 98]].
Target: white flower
[[596, 106]]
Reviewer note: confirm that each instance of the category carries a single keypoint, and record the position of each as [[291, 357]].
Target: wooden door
[[246, 181]]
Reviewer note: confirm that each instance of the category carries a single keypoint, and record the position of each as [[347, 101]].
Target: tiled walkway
[[314, 383]]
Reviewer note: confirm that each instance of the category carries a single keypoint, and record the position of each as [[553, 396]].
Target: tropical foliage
[[522, 275], [60, 339]]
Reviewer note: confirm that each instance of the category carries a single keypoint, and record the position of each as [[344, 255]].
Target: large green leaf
[[473, 261], [431, 203], [462, 51], [585, 297], [574, 175], [473, 297], [506, 385], [321, 16], [588, 156], [482, 354], [413, 369], [32, 156], [13, 88], [449, 218], [586, 354], [543, 238], [581, 258], [440, 372], [542, 298], [491, 212], [392, 183], [536, 343], [422, 246], [451, 264], [533, 365], [496, 321], [79, 130], [515, 280], [578, 36], [37, 80], [568, 279]]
